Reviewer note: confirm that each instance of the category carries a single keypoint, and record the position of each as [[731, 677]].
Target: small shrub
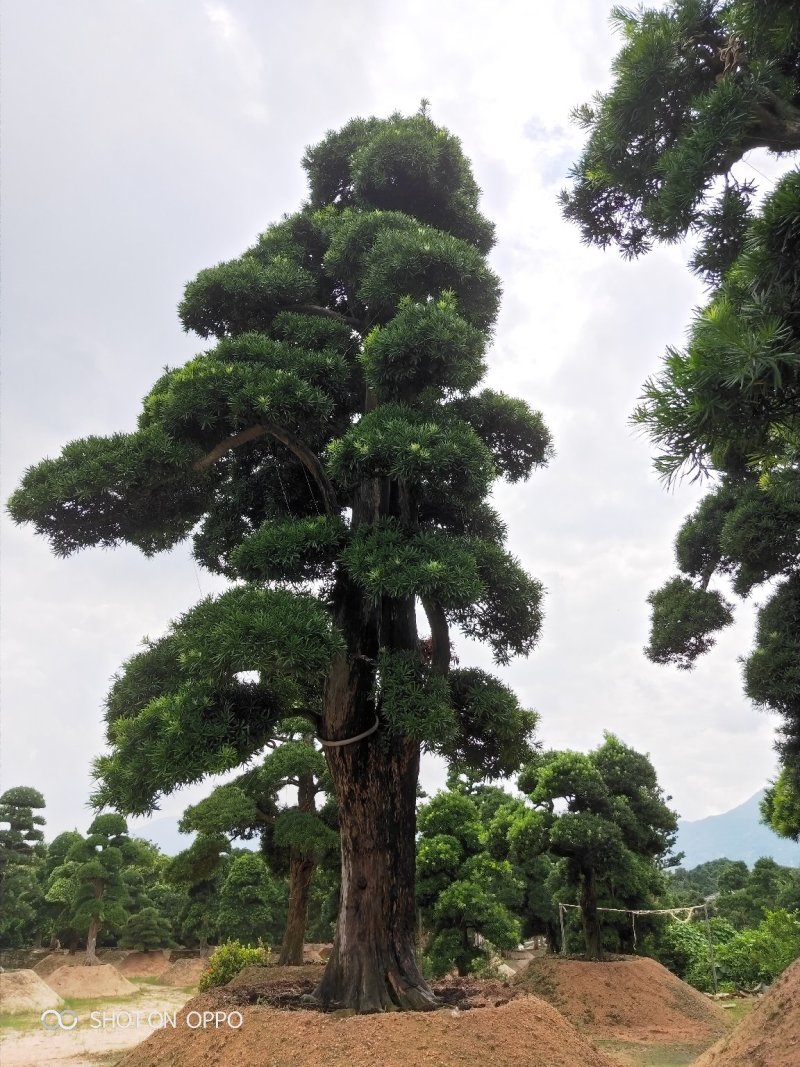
[[229, 959]]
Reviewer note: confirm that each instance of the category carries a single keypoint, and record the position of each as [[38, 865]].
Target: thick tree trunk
[[301, 871], [589, 917], [91, 943], [373, 965]]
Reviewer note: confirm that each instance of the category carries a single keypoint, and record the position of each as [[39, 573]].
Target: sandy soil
[[770, 1035], [54, 960], [34, 1046], [634, 999], [526, 1032], [145, 964], [184, 973], [101, 981], [25, 991]]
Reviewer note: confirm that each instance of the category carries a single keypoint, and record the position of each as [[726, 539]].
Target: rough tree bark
[[301, 871], [91, 943], [589, 917]]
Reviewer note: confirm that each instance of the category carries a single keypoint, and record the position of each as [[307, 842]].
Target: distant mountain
[[736, 835]]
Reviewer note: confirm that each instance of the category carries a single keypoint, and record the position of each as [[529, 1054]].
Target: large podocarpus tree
[[331, 454]]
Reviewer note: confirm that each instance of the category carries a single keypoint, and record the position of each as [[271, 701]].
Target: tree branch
[[440, 635], [328, 313], [297, 447]]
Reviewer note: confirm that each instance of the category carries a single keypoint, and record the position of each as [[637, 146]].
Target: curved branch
[[328, 313], [297, 447], [440, 635]]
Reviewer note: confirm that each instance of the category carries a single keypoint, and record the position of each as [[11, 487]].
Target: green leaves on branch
[[514, 433], [425, 346], [684, 618], [137, 488], [298, 550], [493, 732], [697, 84], [179, 711]]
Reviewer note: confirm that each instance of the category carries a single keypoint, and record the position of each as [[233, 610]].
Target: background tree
[[615, 826], [331, 450], [21, 855], [19, 827], [197, 874], [147, 930], [252, 904], [697, 85], [294, 837], [100, 896], [780, 806], [464, 895]]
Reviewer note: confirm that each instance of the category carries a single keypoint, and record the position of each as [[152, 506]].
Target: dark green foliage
[[19, 827], [464, 893], [604, 814], [250, 901], [780, 808], [729, 404], [146, 930], [697, 84]]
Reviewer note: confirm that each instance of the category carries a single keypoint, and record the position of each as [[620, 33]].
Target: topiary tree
[[332, 452], [605, 815], [197, 873], [146, 930], [250, 901], [19, 827], [294, 838], [465, 895], [697, 85], [100, 896]]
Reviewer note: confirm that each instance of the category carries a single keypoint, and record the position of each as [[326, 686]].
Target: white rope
[[350, 740], [651, 911]]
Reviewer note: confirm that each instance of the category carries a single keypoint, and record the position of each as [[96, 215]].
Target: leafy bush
[[229, 959], [760, 955]]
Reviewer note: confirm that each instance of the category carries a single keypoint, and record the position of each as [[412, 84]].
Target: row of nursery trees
[[333, 455], [491, 870]]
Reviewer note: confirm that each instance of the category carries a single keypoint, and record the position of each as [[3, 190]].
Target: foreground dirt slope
[[526, 1032], [769, 1036], [634, 999]]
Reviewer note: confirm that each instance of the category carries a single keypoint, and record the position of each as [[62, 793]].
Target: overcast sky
[[144, 141]]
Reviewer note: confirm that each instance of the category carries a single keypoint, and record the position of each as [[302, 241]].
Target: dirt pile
[[89, 982], [316, 952], [184, 973], [54, 960], [144, 964], [24, 991], [769, 1036], [633, 999], [525, 1031]]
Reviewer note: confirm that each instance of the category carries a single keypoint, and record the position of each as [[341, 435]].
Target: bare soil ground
[[25, 991], [54, 960], [525, 1032], [183, 973], [628, 1000], [86, 982], [145, 964], [24, 1042], [770, 1035]]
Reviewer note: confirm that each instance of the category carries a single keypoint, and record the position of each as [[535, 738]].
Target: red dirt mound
[[769, 1036], [184, 973], [634, 999], [54, 960], [525, 1031], [85, 982], [144, 964]]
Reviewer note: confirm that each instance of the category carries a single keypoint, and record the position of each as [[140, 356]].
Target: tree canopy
[[697, 85]]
